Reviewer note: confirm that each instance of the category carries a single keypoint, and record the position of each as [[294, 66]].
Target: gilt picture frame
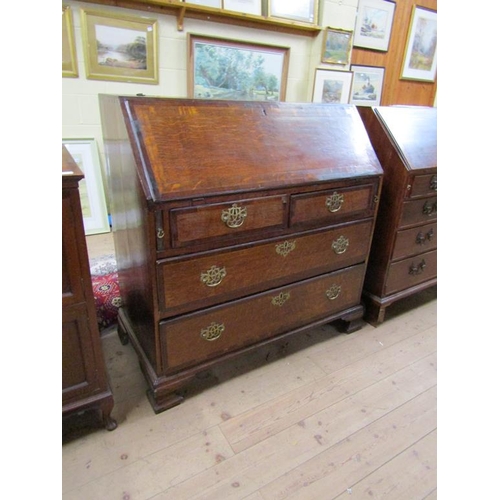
[[331, 86], [91, 188], [367, 85], [374, 24], [120, 48], [420, 60], [337, 47], [228, 69], [69, 63]]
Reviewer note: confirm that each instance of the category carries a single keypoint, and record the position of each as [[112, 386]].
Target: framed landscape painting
[[374, 24], [420, 61], [331, 86], [234, 70], [367, 83], [119, 48], [91, 189], [337, 45], [69, 67]]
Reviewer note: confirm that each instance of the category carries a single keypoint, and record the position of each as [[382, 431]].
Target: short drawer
[[205, 222], [423, 185], [187, 284], [328, 206], [419, 211], [411, 272], [415, 240], [193, 338]]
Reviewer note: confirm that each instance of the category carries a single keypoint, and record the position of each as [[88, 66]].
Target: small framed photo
[[208, 3], [225, 69], [94, 209], [420, 60], [337, 47], [367, 84], [305, 11], [69, 66], [245, 6], [332, 86], [374, 24], [120, 48]]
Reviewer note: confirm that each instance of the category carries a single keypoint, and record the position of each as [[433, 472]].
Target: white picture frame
[[91, 188], [305, 11], [367, 84], [374, 24], [207, 3], [253, 7], [331, 86]]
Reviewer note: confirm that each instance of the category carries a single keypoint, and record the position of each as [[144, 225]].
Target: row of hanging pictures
[[124, 48]]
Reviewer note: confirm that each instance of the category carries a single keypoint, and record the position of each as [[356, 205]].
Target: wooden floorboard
[[323, 416]]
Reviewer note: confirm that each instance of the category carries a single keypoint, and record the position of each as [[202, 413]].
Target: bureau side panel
[[132, 224]]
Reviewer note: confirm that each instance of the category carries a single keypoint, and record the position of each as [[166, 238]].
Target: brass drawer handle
[[280, 299], [429, 208], [213, 276], [285, 248], [212, 332], [333, 292], [422, 238], [417, 269], [434, 183], [160, 233], [234, 216], [340, 245], [334, 202]]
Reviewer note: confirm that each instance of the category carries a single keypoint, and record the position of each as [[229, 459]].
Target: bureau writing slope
[[235, 224], [403, 257]]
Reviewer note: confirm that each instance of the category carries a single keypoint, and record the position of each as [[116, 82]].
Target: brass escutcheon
[[334, 202], [280, 299], [285, 248], [213, 276], [234, 216], [340, 245], [333, 292], [212, 332]]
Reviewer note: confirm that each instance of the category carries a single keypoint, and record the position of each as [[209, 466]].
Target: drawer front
[[197, 224], [415, 240], [200, 336], [411, 271], [423, 185], [329, 206], [191, 283], [419, 211]]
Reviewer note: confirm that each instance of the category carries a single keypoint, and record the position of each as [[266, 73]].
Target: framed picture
[[331, 86], [374, 24], [246, 6], [337, 47], [235, 70], [367, 84], [207, 3], [120, 48], [94, 209], [69, 67], [420, 60], [297, 10]]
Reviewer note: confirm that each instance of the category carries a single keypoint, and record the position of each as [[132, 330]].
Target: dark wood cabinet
[[84, 378], [403, 257], [235, 224]]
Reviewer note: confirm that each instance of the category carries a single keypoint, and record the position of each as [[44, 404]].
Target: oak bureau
[[235, 224], [403, 258]]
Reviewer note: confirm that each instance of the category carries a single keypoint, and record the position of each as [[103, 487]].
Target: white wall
[[80, 107]]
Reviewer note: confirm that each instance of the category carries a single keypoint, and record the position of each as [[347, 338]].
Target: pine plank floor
[[323, 416]]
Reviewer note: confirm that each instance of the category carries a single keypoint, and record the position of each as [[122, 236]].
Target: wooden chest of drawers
[[403, 258], [235, 224]]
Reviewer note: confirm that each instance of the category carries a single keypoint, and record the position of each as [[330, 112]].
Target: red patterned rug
[[106, 290]]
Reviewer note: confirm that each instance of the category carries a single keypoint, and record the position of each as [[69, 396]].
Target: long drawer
[[415, 240], [186, 284], [419, 211], [423, 185], [412, 271], [193, 338]]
